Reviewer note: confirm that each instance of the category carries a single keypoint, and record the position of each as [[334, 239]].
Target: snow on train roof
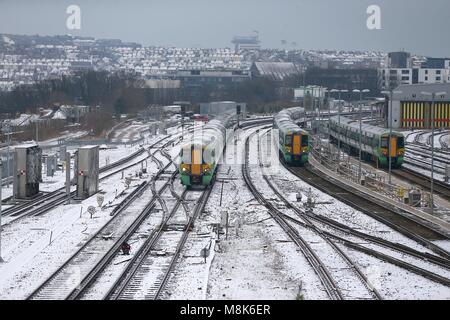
[[285, 118], [354, 124]]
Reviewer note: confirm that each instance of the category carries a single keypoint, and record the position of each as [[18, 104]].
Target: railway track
[[50, 200], [421, 147], [406, 225], [444, 144], [340, 228], [143, 264], [439, 187], [423, 164], [439, 156], [147, 275], [336, 252], [382, 256], [75, 275], [319, 268], [22, 207]]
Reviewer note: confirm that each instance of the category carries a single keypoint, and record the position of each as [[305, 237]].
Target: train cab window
[[400, 142], [374, 142], [384, 142], [305, 141], [288, 139]]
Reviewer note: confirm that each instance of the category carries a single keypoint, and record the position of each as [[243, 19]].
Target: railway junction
[[234, 208]]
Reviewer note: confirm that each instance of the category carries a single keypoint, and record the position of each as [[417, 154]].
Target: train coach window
[[400, 142]]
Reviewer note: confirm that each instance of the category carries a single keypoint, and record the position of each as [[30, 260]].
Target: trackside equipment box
[[27, 172], [87, 171]]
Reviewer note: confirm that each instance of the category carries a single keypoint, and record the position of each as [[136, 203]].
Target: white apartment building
[[432, 72], [431, 76]]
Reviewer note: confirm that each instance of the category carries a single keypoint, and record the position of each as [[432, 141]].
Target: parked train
[[293, 142], [374, 141], [200, 155]]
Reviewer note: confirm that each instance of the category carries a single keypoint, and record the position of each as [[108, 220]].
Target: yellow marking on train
[[296, 145], [196, 167], [393, 144]]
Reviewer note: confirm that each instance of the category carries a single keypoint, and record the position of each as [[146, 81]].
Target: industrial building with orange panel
[[412, 106]]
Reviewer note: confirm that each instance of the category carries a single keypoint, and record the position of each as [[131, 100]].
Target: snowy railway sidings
[[147, 274], [155, 270], [132, 284], [74, 276], [328, 277], [79, 272], [79, 264], [443, 262], [48, 201], [432, 266], [408, 226]]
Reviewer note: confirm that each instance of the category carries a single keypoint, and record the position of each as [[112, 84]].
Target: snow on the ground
[[340, 212], [423, 137], [130, 133], [29, 255], [257, 261], [397, 283]]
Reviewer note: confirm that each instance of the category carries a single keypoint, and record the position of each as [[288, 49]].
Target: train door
[[384, 145], [296, 148], [196, 167]]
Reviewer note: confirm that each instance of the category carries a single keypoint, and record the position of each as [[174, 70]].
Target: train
[[374, 141], [200, 155], [294, 143]]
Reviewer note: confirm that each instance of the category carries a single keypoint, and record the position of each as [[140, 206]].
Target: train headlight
[[185, 168], [206, 169]]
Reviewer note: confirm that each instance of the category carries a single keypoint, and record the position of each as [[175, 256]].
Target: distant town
[[28, 59]]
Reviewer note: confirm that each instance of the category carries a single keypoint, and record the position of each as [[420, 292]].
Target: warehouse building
[[411, 108], [222, 107]]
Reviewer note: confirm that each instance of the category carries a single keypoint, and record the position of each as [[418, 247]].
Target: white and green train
[[375, 142], [199, 156], [293, 142]]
